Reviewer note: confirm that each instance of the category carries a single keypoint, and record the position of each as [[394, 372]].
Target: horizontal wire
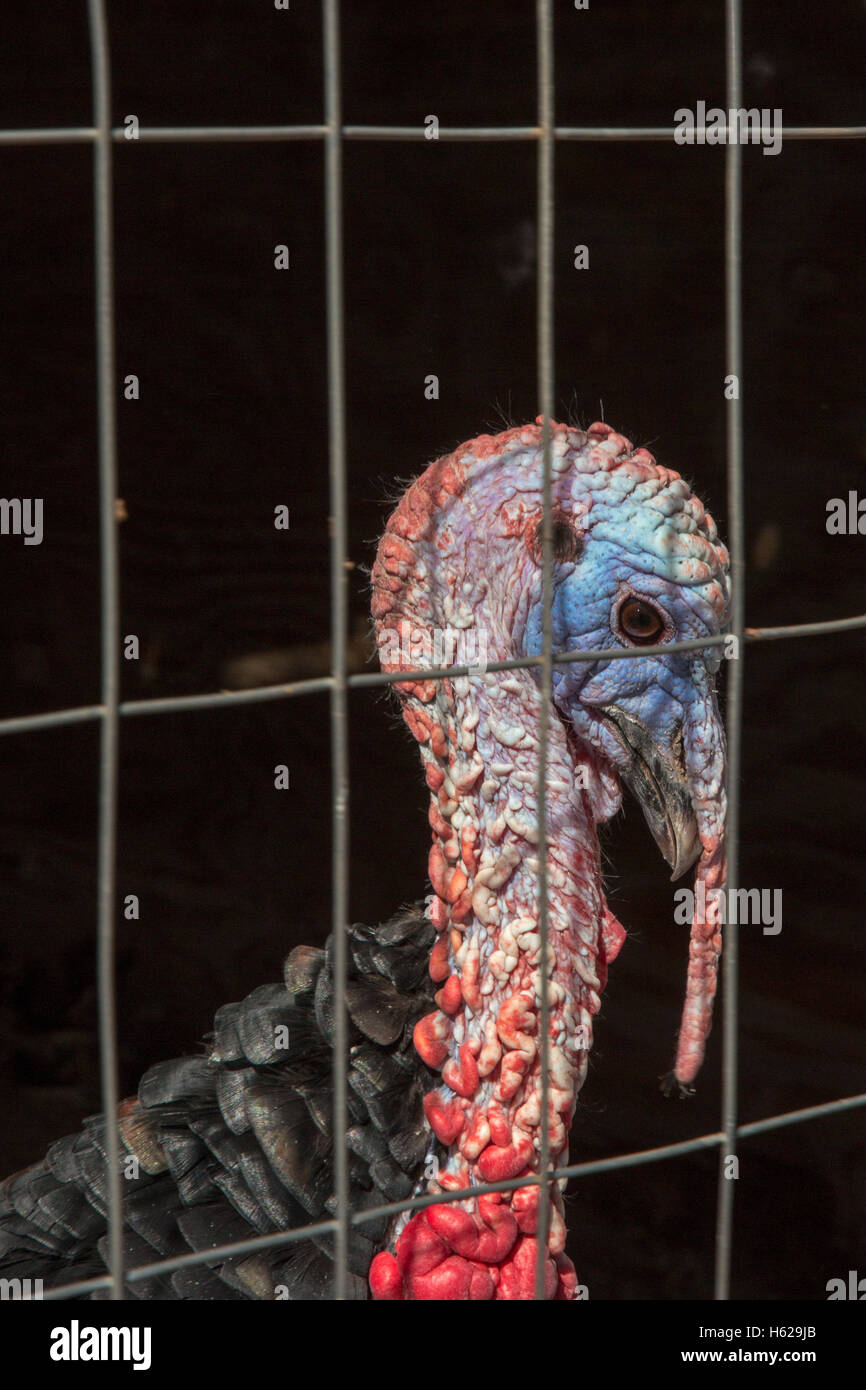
[[25, 723], [173, 704], [233, 134], [770, 634], [64, 135], [637, 1158], [796, 1117], [793, 132], [218, 134], [196, 1257]]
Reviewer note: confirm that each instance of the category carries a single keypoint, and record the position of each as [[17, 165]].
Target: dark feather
[[301, 971], [377, 1009], [238, 1142]]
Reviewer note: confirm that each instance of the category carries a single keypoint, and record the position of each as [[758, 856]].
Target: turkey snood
[[637, 561]]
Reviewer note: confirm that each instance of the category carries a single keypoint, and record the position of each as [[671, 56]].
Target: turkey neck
[[478, 738]]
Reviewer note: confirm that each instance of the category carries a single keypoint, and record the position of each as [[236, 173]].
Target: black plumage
[[239, 1142]]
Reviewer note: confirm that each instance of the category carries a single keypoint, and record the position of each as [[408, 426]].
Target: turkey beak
[[657, 778]]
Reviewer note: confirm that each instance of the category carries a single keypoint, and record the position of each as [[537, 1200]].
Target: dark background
[[440, 277]]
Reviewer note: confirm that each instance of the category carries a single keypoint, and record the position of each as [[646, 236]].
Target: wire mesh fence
[[332, 133]]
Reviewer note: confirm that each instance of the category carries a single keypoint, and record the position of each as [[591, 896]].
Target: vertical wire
[[544, 26], [734, 354], [109, 617], [339, 612]]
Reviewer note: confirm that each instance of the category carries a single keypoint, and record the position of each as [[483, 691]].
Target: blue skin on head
[[654, 719], [663, 692]]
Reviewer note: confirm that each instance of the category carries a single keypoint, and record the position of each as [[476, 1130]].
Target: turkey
[[444, 1001]]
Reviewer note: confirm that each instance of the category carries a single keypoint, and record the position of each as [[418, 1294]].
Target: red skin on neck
[[478, 741]]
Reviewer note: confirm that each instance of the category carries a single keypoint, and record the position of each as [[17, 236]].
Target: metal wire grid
[[102, 136]]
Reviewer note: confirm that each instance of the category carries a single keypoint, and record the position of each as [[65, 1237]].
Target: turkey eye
[[639, 621]]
